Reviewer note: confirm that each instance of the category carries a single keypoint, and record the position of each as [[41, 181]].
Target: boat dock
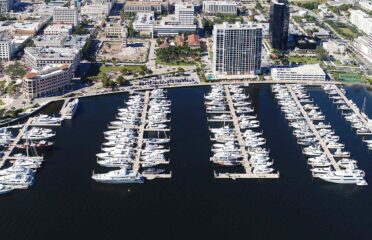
[[136, 162], [355, 109], [11, 146], [313, 129], [63, 109], [245, 154]]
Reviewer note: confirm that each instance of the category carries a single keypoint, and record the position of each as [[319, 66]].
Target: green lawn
[[350, 77], [133, 68], [304, 60], [180, 63]]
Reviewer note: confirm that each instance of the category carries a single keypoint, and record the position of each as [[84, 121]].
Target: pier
[[245, 154], [313, 129], [11, 146], [136, 162], [355, 109], [63, 109]]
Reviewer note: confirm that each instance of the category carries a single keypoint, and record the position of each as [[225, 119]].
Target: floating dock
[[245, 154], [313, 129], [11, 146]]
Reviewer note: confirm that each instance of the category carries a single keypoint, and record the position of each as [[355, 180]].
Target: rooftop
[[53, 52], [304, 69]]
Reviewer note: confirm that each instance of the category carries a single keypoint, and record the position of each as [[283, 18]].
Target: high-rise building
[[279, 24], [237, 49], [6, 6], [66, 15], [184, 13]]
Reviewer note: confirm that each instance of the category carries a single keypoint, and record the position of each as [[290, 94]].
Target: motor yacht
[[119, 176]]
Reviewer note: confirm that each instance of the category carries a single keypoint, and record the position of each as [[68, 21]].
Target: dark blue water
[[65, 203]]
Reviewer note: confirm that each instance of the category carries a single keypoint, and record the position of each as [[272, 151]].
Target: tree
[[120, 80], [259, 6], [322, 53], [181, 70]]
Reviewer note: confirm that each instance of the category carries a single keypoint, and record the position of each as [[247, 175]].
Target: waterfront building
[[58, 29], [144, 22], [301, 73], [66, 15], [237, 49], [47, 80], [279, 23], [361, 20], [40, 56], [222, 7], [184, 13]]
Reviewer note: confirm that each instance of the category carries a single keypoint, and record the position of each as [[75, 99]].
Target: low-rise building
[[222, 7], [366, 5], [361, 20], [66, 15], [49, 40], [116, 31], [137, 6], [9, 45], [333, 47], [47, 80], [311, 72], [193, 41], [42, 56], [58, 29], [99, 10], [144, 22]]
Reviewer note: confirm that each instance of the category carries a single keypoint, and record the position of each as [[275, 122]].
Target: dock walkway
[[11, 146], [355, 109], [245, 154], [141, 130], [313, 129]]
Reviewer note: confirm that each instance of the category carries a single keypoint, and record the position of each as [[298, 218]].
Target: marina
[[317, 137], [64, 186], [128, 148], [351, 113], [233, 148]]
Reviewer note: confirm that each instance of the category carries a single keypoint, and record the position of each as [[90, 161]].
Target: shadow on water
[[65, 203]]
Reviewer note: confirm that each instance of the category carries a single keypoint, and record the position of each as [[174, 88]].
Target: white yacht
[[71, 108], [119, 176]]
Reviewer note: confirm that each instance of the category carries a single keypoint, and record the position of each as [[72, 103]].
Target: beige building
[[51, 79]]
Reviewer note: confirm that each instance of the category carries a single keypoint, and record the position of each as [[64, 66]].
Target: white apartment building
[[144, 23], [361, 20], [66, 15], [370, 45], [302, 73], [39, 56], [237, 49], [184, 13], [46, 80], [366, 5], [96, 10], [224, 7], [58, 29]]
